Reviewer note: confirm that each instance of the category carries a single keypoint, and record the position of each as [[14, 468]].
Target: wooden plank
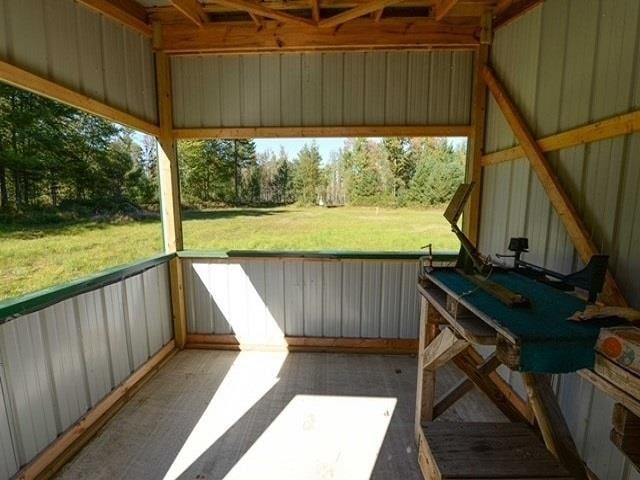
[[559, 198], [554, 429], [178, 305], [192, 9], [444, 7], [513, 11], [315, 10], [617, 375], [355, 12], [612, 390], [48, 462], [442, 348], [426, 382], [452, 396], [127, 12], [601, 130], [21, 78], [347, 131], [471, 219], [626, 433], [359, 35], [258, 9], [394, 346]]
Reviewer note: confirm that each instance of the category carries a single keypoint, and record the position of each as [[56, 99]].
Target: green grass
[[33, 257]]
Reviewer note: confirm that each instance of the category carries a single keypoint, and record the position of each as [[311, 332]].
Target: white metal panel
[[136, 320], [294, 297], [322, 89], [351, 297], [371, 299], [116, 328], [153, 305], [8, 461], [312, 298], [332, 299]]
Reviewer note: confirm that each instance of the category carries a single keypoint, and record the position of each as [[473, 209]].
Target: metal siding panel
[[230, 91], [251, 96], [410, 302], [220, 294], [396, 89], [462, 85], [90, 57], [274, 279], [62, 41], [152, 294], [4, 31], [353, 95], [211, 102], [165, 303], [390, 294], [66, 361], [238, 296], [312, 298], [192, 97], [291, 88], [136, 319], [332, 298], [311, 89], [418, 87], [374, 87], [94, 344], [371, 299], [293, 297], [8, 462], [201, 318], [332, 88], [270, 102], [27, 39], [113, 54], [178, 89], [351, 297], [133, 74], [440, 88], [117, 332], [256, 289]]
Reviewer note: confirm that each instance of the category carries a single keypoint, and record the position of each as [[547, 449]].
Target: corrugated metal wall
[[80, 49], [322, 89], [568, 63], [260, 299], [57, 363]]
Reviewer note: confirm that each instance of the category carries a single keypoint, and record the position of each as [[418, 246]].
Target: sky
[[326, 145]]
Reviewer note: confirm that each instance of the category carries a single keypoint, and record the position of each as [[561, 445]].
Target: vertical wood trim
[[170, 191], [471, 220], [425, 391], [558, 196]]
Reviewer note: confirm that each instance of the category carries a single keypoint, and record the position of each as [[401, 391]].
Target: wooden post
[[170, 190], [471, 219], [426, 384], [558, 196]]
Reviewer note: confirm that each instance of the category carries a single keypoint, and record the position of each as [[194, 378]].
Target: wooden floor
[[215, 414]]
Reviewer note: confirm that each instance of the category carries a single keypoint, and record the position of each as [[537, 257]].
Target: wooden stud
[[192, 9], [126, 12], [347, 131], [355, 12], [471, 219], [553, 426], [559, 198], [425, 390], [266, 12], [315, 10], [444, 7], [21, 78], [608, 128], [54, 457]]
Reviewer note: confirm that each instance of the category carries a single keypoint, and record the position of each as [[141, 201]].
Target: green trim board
[[329, 255], [548, 341], [15, 307]]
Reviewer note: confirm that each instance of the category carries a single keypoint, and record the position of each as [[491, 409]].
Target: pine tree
[[307, 175]]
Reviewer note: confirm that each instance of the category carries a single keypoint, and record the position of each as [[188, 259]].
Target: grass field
[[35, 257]]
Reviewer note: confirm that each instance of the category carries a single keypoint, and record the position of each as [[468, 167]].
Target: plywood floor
[[215, 414]]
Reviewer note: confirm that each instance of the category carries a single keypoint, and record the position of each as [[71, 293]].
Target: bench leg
[[426, 383]]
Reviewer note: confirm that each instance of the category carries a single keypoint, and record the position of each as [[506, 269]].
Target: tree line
[[54, 155]]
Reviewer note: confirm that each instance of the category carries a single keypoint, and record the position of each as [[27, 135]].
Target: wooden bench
[[455, 450]]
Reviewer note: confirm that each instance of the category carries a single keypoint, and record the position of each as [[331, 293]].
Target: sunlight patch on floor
[[320, 437], [250, 377]]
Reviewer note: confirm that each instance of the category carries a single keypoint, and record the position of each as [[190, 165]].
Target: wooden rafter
[[192, 9], [266, 12], [356, 12], [127, 12], [315, 10], [378, 15], [356, 35], [558, 197], [257, 20], [509, 10], [444, 7], [611, 127]]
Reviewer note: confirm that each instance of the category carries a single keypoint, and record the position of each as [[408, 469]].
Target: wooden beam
[[128, 12], [258, 9], [553, 426], [612, 390], [508, 11], [192, 9], [601, 130], [346, 131], [471, 220], [558, 197], [363, 34], [355, 12], [444, 7], [315, 10], [442, 349], [257, 20], [54, 457], [378, 15], [20, 78]]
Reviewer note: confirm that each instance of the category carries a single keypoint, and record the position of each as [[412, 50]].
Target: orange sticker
[[612, 347]]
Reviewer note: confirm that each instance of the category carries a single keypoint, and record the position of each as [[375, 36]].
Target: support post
[[170, 190], [425, 390], [471, 219]]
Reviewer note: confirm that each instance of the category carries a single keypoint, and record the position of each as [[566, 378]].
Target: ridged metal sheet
[[568, 63], [57, 363], [262, 299], [322, 89], [71, 45]]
